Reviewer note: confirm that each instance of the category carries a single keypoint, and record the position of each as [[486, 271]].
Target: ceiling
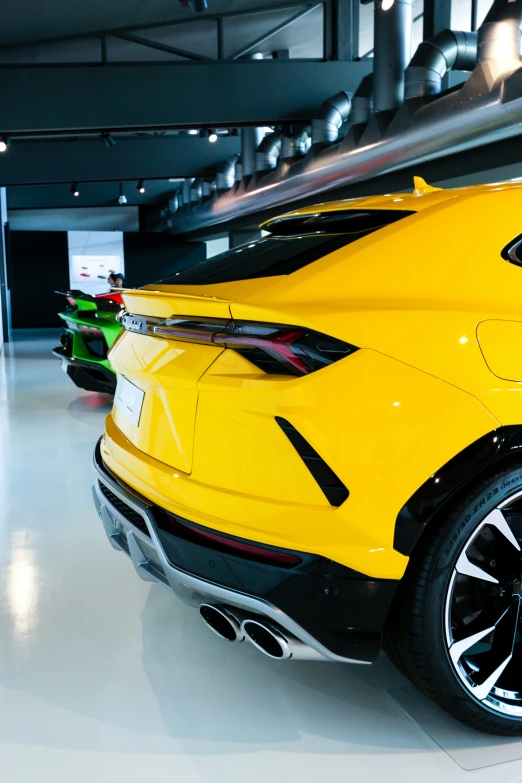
[[30, 22]]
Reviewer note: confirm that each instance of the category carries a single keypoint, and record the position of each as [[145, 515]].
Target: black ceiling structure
[[151, 74]]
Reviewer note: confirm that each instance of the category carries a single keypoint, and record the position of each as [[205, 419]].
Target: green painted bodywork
[[88, 314]]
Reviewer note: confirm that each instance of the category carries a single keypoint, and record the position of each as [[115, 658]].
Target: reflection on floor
[[104, 677]]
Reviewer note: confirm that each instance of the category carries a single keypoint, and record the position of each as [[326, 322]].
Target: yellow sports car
[[317, 440]]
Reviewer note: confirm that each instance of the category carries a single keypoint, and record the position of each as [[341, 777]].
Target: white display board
[[93, 255]]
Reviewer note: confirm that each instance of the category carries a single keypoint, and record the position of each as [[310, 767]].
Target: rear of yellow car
[[266, 443]]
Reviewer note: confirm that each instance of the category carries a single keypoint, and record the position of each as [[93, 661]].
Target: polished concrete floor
[[104, 677]]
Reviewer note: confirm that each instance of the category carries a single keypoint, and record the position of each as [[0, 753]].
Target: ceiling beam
[[274, 31], [44, 162], [168, 95]]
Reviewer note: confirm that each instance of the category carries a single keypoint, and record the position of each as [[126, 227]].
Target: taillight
[[274, 348], [94, 331]]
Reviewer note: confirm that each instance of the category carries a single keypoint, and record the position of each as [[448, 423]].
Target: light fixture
[[212, 136], [141, 186], [74, 189], [122, 198], [192, 132], [108, 140], [387, 4], [3, 145]]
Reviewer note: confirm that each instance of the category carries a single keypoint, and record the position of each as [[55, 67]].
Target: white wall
[[92, 256]]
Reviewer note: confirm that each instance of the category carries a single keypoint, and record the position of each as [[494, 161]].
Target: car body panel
[[417, 392]]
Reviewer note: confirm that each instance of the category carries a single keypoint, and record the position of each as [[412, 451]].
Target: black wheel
[[455, 628]]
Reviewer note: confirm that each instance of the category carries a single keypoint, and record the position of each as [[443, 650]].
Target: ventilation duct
[[362, 102], [486, 108], [208, 188], [226, 173], [435, 57], [332, 114], [196, 191], [499, 35], [267, 154], [173, 203], [393, 28], [296, 143]]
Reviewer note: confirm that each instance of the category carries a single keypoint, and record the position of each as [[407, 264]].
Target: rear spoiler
[[103, 302]]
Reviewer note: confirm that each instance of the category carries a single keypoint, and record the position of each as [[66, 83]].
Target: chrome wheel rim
[[483, 613]]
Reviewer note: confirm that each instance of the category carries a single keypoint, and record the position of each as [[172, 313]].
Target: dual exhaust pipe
[[233, 625]]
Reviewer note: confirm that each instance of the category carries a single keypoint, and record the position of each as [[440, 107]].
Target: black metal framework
[[340, 32]]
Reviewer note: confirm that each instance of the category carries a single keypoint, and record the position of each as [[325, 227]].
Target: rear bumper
[[90, 376], [337, 613]]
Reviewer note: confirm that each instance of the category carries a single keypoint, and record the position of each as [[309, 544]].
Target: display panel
[[93, 255]]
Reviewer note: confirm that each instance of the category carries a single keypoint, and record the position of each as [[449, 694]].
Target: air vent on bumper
[[330, 484]]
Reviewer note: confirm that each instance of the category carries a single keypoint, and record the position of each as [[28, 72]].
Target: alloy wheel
[[483, 617]]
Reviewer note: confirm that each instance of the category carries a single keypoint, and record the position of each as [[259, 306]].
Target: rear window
[[292, 244]]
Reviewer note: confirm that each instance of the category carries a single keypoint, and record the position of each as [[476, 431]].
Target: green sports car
[[90, 330]]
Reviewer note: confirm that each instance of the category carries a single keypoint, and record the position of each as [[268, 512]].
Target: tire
[[455, 627]]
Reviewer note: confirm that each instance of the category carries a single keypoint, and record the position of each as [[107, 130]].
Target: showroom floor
[[104, 677]]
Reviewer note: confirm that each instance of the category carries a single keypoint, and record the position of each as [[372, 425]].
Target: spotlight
[[122, 198], [3, 146], [108, 140], [74, 189], [141, 186], [212, 136], [387, 4], [5, 142]]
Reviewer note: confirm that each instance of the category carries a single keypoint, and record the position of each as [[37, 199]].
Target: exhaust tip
[[221, 622], [266, 639]]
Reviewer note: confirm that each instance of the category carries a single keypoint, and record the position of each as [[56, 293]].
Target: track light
[[387, 4], [74, 189], [5, 142], [3, 146], [140, 186], [212, 136], [108, 140]]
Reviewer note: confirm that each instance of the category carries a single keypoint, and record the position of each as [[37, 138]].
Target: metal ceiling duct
[[445, 51], [488, 107], [226, 173], [208, 188], [332, 114], [267, 154], [296, 143], [196, 191], [393, 27], [362, 101]]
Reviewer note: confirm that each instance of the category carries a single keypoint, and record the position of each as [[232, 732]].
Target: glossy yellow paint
[[413, 296]]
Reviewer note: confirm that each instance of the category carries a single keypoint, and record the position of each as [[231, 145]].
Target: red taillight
[[232, 546], [71, 301], [274, 348]]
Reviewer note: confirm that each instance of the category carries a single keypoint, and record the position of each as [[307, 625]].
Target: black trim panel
[[331, 485], [341, 608], [430, 498], [90, 376]]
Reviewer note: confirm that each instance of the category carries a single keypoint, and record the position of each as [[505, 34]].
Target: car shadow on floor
[[229, 694]]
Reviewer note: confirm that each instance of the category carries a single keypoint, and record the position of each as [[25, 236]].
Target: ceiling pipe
[[362, 101], [267, 154], [226, 173], [196, 191], [296, 143], [332, 114], [488, 107], [499, 35], [392, 52], [208, 188], [434, 58]]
